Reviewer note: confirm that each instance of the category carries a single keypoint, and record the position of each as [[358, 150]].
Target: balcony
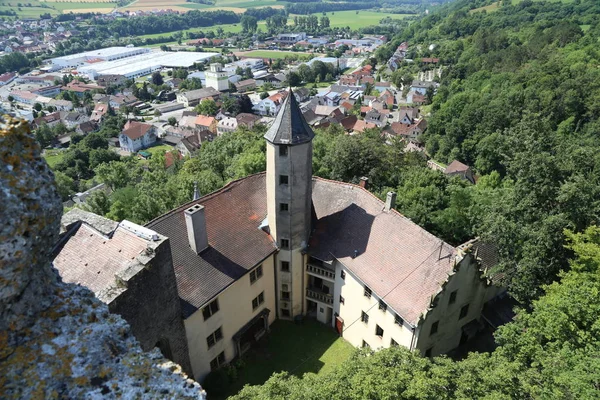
[[320, 271], [316, 294]]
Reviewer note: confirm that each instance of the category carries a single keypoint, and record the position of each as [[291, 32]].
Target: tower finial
[[196, 191]]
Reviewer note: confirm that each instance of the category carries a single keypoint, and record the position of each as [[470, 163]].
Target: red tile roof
[[456, 166], [92, 260], [233, 215], [134, 129], [396, 258], [361, 125], [204, 120]]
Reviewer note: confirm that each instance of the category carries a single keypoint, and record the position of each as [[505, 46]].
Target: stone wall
[[151, 304], [57, 340]]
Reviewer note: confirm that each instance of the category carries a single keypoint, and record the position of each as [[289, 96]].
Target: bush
[[217, 382]]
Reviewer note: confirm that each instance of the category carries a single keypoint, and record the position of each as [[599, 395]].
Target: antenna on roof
[[196, 191]]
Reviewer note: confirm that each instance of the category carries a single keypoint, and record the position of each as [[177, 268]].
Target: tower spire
[[290, 127]]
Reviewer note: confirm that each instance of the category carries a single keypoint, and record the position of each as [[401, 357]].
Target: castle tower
[[216, 78], [289, 198]]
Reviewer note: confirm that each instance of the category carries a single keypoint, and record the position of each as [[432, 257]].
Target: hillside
[[518, 101]]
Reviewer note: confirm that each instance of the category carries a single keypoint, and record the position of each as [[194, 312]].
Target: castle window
[[368, 292], [434, 328], [364, 317], [210, 309], [285, 266], [258, 300], [398, 320], [382, 306], [342, 274], [342, 300], [378, 331], [452, 299], [283, 179], [365, 345], [283, 151], [285, 312], [214, 337], [218, 361], [285, 244], [464, 311], [393, 343], [285, 295], [283, 207], [256, 274]]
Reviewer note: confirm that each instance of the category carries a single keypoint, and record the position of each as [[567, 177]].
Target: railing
[[319, 296], [320, 271]]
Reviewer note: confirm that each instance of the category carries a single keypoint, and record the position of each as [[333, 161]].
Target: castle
[[206, 280]]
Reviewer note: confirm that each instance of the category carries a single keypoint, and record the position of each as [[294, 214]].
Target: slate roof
[[236, 244], [396, 258], [289, 126]]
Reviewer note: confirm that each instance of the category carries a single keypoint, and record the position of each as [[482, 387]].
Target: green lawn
[[53, 157], [295, 348], [163, 148]]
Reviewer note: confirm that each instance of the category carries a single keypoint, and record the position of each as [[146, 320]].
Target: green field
[[52, 7], [358, 19], [274, 54], [72, 6]]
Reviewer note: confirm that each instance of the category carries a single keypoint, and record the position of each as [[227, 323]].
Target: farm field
[[34, 8], [358, 18]]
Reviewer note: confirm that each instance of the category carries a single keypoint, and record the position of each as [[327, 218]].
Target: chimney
[[390, 201], [364, 182], [196, 228]]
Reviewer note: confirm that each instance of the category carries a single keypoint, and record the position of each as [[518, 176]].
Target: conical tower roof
[[289, 126]]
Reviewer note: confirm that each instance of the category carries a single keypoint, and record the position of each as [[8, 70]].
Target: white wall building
[[217, 78]]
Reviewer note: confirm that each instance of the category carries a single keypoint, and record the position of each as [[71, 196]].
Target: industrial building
[[108, 54], [142, 64]]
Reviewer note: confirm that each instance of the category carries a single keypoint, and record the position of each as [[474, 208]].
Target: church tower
[[289, 199], [216, 78]]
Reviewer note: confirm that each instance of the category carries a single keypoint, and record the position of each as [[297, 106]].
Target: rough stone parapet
[[58, 340]]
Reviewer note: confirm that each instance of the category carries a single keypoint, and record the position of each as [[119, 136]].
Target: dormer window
[[283, 151]]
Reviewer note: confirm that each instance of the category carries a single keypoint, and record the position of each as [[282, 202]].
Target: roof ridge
[[394, 211], [203, 198]]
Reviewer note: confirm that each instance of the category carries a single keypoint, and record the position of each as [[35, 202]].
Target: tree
[[65, 185], [207, 107], [293, 79], [172, 121]]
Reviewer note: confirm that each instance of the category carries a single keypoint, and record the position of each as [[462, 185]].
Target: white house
[[227, 124], [136, 136], [271, 105]]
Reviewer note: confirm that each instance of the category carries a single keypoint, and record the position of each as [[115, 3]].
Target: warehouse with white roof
[[107, 54], [143, 64]]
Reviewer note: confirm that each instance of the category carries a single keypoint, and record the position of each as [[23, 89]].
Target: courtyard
[[295, 348]]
